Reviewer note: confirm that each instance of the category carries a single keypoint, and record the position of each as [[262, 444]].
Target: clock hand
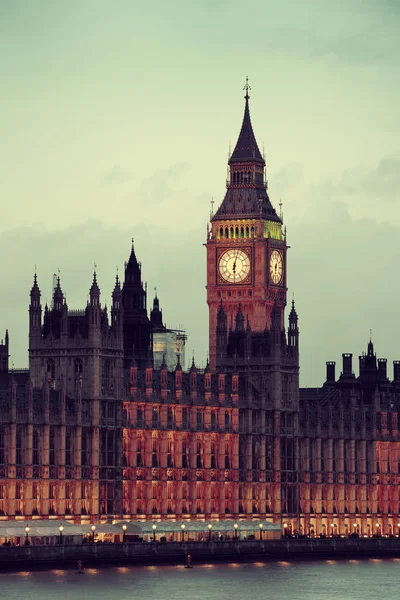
[[234, 264]]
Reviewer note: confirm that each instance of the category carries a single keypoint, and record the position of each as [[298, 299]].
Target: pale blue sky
[[116, 121]]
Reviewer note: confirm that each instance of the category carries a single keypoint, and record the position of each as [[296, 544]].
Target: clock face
[[276, 266], [234, 265]]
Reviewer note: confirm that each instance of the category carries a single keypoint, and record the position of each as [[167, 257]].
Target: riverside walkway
[[206, 551]]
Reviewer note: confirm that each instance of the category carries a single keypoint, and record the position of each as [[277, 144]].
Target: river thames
[[328, 580]]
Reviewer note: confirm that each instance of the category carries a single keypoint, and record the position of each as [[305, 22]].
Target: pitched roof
[[246, 203], [246, 149]]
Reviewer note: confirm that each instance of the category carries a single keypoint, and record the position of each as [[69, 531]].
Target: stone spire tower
[[246, 247], [136, 323]]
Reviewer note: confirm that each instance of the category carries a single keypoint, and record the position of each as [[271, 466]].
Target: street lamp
[[61, 529], [236, 527], [124, 533], [27, 530], [154, 527], [183, 527], [209, 531], [355, 528], [377, 529], [398, 529], [261, 529], [93, 530], [332, 528], [285, 530]]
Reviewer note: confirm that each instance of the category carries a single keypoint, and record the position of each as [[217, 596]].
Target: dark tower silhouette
[[293, 332], [35, 313], [222, 331], [4, 354], [116, 309], [156, 316], [136, 323]]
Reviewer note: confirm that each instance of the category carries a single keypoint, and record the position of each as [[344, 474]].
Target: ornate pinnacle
[[247, 88]]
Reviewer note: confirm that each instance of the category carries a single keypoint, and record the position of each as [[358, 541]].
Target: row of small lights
[[209, 526], [154, 527], [183, 527], [377, 525]]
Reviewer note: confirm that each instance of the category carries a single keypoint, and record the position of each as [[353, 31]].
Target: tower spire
[[246, 149]]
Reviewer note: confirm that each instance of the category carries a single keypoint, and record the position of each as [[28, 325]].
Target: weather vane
[[247, 88]]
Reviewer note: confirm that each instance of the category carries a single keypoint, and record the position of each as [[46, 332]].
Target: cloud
[[163, 184], [381, 182], [116, 174], [368, 191], [174, 264], [342, 269], [344, 275]]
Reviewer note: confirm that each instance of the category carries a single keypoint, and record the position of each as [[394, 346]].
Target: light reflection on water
[[350, 579]]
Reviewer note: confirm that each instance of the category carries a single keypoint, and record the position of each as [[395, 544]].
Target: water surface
[[328, 580]]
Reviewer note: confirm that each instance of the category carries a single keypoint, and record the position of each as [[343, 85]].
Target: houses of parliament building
[[92, 431]]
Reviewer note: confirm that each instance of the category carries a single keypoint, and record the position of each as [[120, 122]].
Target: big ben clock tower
[[246, 246]]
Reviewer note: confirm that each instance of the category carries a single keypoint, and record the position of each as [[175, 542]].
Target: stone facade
[[93, 431]]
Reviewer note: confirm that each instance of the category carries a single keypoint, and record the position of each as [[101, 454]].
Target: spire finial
[[132, 243], [212, 207], [247, 88], [280, 209]]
